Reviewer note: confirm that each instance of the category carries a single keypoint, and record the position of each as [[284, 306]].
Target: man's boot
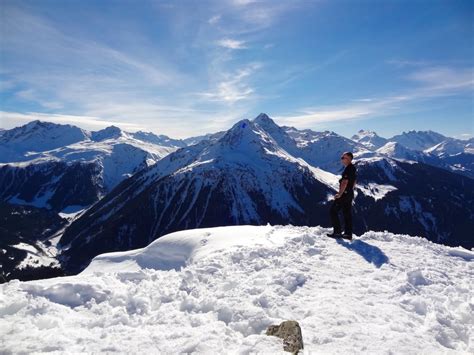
[[347, 236], [334, 235]]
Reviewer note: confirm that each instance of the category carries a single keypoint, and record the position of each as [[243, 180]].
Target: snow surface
[[216, 290]]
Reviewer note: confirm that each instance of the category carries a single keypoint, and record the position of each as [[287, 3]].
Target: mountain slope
[[25, 232], [49, 169], [216, 290], [415, 198]]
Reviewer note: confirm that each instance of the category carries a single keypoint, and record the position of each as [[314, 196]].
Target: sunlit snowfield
[[218, 289]]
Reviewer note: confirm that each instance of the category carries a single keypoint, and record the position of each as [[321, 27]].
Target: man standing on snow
[[343, 199]]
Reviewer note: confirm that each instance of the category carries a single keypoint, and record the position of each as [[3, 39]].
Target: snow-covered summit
[[111, 132], [370, 139], [399, 151], [216, 290], [250, 137], [37, 136], [419, 140]]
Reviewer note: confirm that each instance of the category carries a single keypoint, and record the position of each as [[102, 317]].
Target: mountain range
[[113, 190]]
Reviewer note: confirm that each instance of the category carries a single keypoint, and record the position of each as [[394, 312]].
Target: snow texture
[[216, 290]]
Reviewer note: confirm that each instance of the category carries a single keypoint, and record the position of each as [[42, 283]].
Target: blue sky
[[185, 68]]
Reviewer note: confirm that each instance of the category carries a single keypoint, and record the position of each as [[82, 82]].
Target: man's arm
[[342, 187]]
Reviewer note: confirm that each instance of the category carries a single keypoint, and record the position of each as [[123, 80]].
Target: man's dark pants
[[343, 203]]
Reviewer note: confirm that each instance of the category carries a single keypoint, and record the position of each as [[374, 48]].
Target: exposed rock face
[[290, 332]]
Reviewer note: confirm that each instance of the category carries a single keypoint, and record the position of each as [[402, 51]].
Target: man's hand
[[337, 195]]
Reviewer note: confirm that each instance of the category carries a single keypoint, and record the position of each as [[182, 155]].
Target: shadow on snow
[[370, 253]]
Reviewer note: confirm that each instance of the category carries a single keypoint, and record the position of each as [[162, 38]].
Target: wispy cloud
[[444, 79], [233, 87], [434, 82], [13, 119], [231, 43], [214, 19]]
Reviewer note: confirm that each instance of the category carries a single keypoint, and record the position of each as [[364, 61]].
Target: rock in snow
[[216, 290]]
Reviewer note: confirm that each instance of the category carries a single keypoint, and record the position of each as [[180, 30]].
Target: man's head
[[346, 158]]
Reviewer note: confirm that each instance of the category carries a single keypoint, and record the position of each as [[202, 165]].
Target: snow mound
[[178, 249], [216, 290]]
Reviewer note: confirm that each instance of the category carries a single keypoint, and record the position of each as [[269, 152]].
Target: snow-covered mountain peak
[[245, 134], [41, 128], [394, 149], [40, 136], [266, 123], [111, 132], [362, 133], [419, 140], [263, 120], [370, 139]]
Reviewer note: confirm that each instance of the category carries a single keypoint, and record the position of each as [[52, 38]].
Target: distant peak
[[112, 128], [262, 116], [107, 133], [39, 123], [263, 120], [367, 132]]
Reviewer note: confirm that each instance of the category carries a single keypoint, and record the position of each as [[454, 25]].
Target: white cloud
[[214, 19], [231, 43], [31, 95], [243, 2], [234, 86]]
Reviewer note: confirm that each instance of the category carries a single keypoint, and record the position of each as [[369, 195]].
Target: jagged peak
[[39, 123], [264, 121], [367, 132], [426, 132], [262, 117]]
